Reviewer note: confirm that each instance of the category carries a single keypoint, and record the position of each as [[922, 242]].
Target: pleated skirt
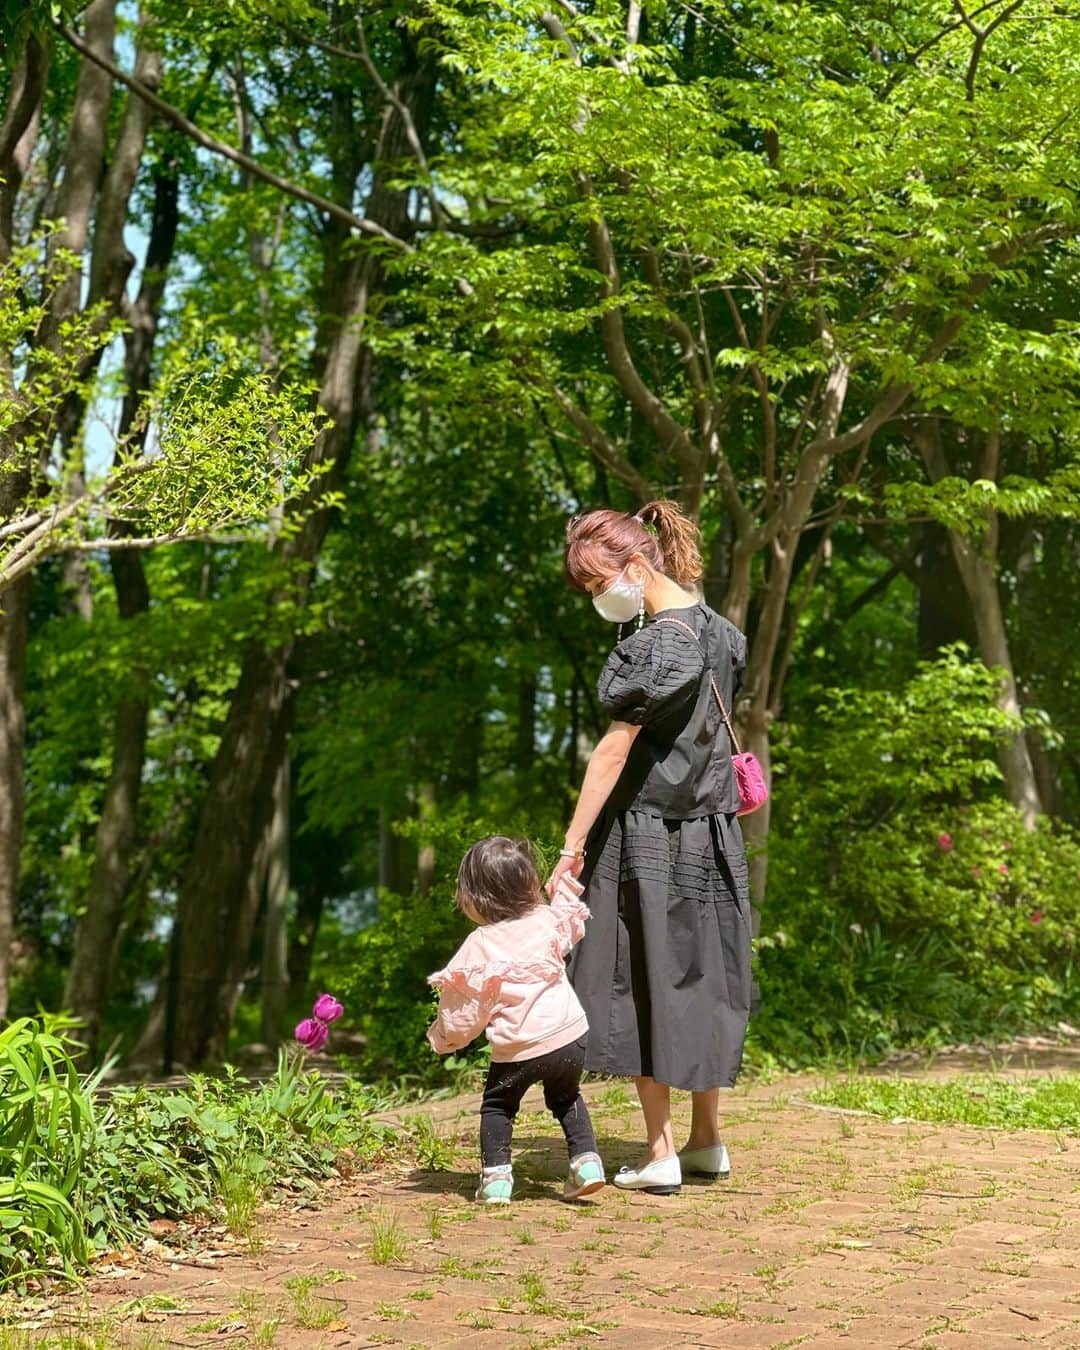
[[663, 970]]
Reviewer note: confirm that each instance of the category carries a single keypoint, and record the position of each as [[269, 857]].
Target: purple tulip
[[327, 1009], [312, 1034]]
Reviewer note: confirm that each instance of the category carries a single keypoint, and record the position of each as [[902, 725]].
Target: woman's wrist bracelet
[[571, 853]]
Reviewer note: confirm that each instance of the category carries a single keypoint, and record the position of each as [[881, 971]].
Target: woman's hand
[[565, 866]]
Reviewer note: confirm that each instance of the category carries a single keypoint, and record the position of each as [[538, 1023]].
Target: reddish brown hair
[[605, 541]]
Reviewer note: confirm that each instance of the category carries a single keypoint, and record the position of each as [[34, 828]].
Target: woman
[[663, 971]]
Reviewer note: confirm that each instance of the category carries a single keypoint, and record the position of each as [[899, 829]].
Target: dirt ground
[[834, 1229]]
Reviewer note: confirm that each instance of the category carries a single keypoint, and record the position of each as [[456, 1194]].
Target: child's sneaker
[[586, 1176], [496, 1185]]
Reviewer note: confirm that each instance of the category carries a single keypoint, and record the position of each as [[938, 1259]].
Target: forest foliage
[[317, 323]]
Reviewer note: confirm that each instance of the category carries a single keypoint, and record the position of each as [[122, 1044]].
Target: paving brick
[[771, 1242]]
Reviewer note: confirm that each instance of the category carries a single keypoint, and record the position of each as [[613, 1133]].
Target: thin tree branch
[[602, 446], [980, 35], [26, 89], [671, 434], [217, 147]]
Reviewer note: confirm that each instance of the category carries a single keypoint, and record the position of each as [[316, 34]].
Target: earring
[[641, 613]]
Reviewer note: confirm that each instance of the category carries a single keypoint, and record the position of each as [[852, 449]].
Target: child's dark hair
[[498, 879]]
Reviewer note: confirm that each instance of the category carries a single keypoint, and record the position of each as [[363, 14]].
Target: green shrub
[[889, 919], [906, 902], [79, 1171], [46, 1130], [382, 970]]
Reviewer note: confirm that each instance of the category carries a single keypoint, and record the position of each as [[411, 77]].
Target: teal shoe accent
[[496, 1185], [586, 1176]]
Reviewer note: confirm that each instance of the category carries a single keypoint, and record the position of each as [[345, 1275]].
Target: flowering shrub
[[82, 1169], [906, 902]]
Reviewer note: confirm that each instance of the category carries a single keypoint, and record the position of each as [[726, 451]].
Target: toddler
[[508, 978]]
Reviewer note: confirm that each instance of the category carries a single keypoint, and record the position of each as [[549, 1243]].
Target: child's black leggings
[[560, 1072]]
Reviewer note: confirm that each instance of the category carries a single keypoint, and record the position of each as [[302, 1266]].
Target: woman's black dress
[[663, 971]]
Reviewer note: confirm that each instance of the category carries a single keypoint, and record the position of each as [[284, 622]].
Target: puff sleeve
[[652, 675]]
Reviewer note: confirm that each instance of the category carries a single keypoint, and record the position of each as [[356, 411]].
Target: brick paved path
[[833, 1230]]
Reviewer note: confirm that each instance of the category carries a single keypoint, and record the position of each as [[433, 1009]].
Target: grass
[[263, 1320], [312, 1311], [152, 1303], [433, 1152], [388, 1240], [92, 1334], [535, 1294], [241, 1194], [722, 1307], [1033, 1104]]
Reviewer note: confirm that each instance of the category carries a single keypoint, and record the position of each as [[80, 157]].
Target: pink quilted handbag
[[749, 776]]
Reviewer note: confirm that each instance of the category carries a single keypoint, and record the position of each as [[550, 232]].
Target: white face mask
[[621, 601]]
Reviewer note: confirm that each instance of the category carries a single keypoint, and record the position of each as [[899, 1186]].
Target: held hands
[[568, 867]]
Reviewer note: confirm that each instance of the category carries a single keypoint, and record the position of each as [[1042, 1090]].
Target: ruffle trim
[[487, 978], [566, 907], [546, 969]]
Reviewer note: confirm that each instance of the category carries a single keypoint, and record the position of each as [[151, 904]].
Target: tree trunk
[[390, 871], [980, 581], [425, 858], [525, 741], [309, 908], [755, 702], [89, 978], [90, 973], [755, 826], [275, 957], [212, 905], [943, 615], [84, 156], [229, 830], [18, 132], [14, 623], [216, 886], [977, 564]]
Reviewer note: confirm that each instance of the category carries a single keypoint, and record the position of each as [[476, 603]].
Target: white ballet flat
[[712, 1161], [663, 1177]]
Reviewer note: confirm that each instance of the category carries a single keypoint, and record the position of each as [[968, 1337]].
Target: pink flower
[[327, 1009], [945, 842], [312, 1034], [1036, 916], [1003, 868]]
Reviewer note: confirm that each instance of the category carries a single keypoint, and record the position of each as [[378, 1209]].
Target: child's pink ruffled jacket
[[510, 979]]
